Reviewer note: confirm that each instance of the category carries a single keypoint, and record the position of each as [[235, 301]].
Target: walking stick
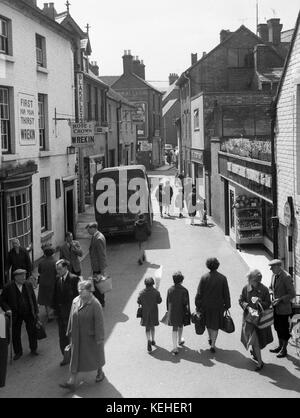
[[10, 340]]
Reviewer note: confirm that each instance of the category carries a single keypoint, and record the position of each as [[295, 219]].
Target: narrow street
[[130, 370]]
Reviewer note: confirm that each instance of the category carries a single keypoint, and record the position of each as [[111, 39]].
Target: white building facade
[[37, 181]]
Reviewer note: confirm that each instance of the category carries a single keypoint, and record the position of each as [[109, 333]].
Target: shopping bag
[[165, 319], [139, 312], [40, 331], [266, 318], [228, 324], [104, 285], [67, 354], [198, 319], [252, 316], [187, 317]]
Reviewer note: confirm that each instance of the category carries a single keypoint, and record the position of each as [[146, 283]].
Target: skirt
[[214, 318]]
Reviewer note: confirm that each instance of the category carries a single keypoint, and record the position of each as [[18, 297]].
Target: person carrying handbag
[[254, 296]]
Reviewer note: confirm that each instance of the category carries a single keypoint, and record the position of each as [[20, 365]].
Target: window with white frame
[[40, 45], [3, 35], [42, 120], [5, 120], [19, 216], [45, 203]]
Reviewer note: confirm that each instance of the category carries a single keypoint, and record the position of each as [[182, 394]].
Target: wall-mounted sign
[[80, 101], [83, 134], [288, 212], [145, 146], [27, 119], [141, 119], [257, 176], [197, 156]]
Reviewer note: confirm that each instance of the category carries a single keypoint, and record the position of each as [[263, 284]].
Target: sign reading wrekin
[[83, 134]]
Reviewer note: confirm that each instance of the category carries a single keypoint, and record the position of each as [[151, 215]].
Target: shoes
[[34, 353], [175, 351], [149, 347], [209, 341], [67, 385], [153, 342], [100, 377], [181, 342], [17, 356], [212, 350], [253, 355], [64, 363], [282, 354], [258, 368], [276, 350]]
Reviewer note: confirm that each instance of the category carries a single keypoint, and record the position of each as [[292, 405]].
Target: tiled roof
[[109, 79], [171, 88], [168, 106]]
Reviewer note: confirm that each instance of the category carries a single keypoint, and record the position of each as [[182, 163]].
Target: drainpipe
[[118, 131], [275, 219], [189, 118]]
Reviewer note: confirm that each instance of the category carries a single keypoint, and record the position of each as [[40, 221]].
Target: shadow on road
[[90, 389], [281, 377], [186, 354]]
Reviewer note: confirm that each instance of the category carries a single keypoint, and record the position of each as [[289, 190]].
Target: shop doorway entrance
[[69, 209]]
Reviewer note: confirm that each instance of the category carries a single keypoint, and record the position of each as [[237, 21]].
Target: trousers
[[16, 332], [282, 326], [62, 329], [3, 360]]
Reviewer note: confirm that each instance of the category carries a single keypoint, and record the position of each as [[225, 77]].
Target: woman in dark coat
[[149, 299], [212, 299], [253, 294], [47, 273], [178, 307], [141, 235]]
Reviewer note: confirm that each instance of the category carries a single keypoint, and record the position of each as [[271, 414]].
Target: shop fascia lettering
[[263, 179], [83, 133]]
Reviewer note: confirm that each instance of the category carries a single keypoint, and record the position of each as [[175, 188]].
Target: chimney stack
[[194, 58], [274, 31], [94, 68], [263, 32], [224, 34], [49, 10], [172, 78], [203, 54], [127, 62]]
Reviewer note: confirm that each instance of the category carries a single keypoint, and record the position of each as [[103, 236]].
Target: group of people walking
[[213, 300], [76, 303]]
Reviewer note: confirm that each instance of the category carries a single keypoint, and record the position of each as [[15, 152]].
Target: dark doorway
[[69, 210]]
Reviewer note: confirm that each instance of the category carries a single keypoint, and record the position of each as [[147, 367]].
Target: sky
[[164, 33]]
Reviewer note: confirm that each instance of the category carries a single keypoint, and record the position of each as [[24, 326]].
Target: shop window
[[4, 36], [268, 231], [19, 217], [42, 105], [45, 203], [40, 46], [5, 120], [196, 119]]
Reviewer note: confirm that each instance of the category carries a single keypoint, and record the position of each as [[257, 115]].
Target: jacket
[[178, 303], [64, 293], [98, 252], [72, 255], [213, 292], [284, 290], [19, 261], [149, 299], [9, 299]]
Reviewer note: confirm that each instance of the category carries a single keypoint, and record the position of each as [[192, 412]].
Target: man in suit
[[97, 256], [71, 251], [66, 289], [18, 258], [283, 292], [18, 296]]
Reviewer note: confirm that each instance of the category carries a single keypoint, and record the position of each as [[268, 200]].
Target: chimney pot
[[274, 31], [263, 32], [172, 78], [224, 34], [194, 58]]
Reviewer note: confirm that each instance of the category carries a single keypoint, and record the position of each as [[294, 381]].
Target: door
[[232, 220], [69, 210]]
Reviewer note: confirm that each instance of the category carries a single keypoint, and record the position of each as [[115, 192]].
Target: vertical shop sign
[[80, 96]]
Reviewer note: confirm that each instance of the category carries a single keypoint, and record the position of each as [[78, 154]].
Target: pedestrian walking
[[212, 300], [149, 299], [159, 197], [71, 251], [86, 332], [18, 258], [256, 296], [178, 307], [167, 197], [180, 195], [47, 279], [191, 205], [97, 256], [283, 292], [141, 235], [65, 290], [18, 296], [5, 318]]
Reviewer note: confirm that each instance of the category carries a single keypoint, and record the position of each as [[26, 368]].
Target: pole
[[275, 219]]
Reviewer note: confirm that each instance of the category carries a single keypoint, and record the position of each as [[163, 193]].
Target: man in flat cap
[[97, 256], [18, 296], [283, 292]]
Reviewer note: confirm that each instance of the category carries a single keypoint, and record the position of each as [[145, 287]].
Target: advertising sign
[[141, 119], [83, 134], [80, 96], [27, 118]]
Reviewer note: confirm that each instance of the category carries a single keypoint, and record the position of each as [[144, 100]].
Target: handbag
[[139, 312], [266, 318], [252, 316], [104, 284], [40, 331], [165, 319], [228, 324], [67, 353], [198, 319]]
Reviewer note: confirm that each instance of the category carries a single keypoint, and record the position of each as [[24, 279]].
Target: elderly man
[[18, 258], [66, 289], [18, 296], [283, 292], [97, 256]]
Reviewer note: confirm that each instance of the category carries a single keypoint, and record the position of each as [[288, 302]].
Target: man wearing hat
[[97, 256], [18, 296], [283, 292]]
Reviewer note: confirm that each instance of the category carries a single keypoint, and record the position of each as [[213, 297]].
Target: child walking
[[141, 235]]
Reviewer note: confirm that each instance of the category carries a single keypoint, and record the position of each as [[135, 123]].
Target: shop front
[[15, 211], [248, 200], [198, 171], [92, 165]]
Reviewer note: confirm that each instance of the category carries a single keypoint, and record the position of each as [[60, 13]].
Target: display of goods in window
[[248, 211]]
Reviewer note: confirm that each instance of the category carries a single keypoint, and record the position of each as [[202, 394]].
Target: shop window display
[[249, 220]]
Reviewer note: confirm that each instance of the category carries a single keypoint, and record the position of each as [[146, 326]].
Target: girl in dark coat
[[47, 273], [212, 299], [253, 294], [178, 306], [141, 235], [149, 298]]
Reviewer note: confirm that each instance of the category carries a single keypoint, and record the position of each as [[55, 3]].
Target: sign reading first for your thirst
[[27, 119]]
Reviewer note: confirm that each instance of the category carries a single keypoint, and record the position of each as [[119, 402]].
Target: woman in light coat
[[86, 333]]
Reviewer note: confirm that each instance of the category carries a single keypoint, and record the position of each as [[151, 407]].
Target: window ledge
[[7, 58], [41, 69], [46, 153], [10, 157], [45, 236]]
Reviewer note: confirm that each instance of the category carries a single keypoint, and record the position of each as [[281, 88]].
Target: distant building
[[171, 111]]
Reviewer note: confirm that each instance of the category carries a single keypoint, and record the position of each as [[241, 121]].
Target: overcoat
[[98, 252], [283, 288], [149, 298], [177, 302], [72, 254], [47, 273], [213, 298], [9, 299], [85, 330], [265, 335]]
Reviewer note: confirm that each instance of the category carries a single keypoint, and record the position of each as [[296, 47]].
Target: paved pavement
[[130, 370]]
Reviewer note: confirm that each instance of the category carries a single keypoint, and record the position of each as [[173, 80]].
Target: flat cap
[[92, 225], [275, 262], [19, 271]]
